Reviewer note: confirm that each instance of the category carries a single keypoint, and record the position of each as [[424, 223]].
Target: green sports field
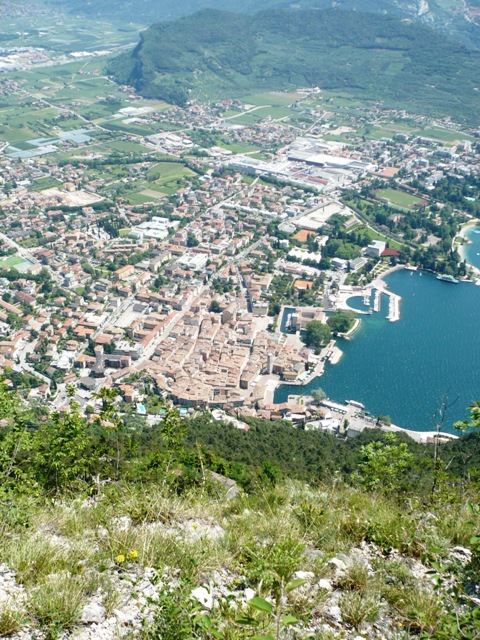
[[400, 198], [14, 262]]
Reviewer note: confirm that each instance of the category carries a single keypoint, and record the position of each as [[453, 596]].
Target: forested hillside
[[217, 54], [452, 18]]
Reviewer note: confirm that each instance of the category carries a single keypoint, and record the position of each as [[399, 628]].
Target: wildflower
[[120, 558], [133, 554], [195, 526]]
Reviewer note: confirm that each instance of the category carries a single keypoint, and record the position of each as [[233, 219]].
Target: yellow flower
[[120, 558], [195, 526], [133, 554]]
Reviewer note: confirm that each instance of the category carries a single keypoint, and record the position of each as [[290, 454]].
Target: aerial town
[[188, 249]]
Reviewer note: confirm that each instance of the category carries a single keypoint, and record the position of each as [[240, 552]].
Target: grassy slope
[[98, 516], [217, 54], [71, 554]]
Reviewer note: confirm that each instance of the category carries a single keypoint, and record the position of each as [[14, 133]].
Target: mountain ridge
[[460, 21], [215, 54]]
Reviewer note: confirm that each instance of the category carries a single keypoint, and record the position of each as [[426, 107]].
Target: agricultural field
[[127, 146], [385, 130], [259, 113], [165, 177], [45, 183], [55, 103], [400, 198], [62, 32], [236, 147], [120, 126], [138, 198]]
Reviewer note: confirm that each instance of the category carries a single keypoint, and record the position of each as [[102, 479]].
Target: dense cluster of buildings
[[98, 292]]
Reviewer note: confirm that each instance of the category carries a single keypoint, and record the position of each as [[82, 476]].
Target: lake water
[[471, 252], [403, 369]]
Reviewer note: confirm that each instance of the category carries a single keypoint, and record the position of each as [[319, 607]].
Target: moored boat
[[446, 278], [354, 403]]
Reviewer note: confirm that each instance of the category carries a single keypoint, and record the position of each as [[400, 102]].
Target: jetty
[[393, 307], [377, 287], [393, 302]]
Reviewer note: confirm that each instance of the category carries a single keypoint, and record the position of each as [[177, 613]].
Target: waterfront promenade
[[422, 437]]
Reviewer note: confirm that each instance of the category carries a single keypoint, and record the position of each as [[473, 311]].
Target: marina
[[393, 307], [377, 289]]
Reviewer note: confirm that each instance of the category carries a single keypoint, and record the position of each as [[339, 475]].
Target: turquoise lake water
[[403, 369], [472, 251]]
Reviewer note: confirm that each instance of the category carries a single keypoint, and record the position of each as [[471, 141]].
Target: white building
[[375, 248], [195, 262], [157, 228], [302, 255]]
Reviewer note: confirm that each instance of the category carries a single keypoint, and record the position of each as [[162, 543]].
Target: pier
[[377, 287], [393, 307], [393, 303]]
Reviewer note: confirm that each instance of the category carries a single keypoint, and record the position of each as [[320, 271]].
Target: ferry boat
[[445, 278]]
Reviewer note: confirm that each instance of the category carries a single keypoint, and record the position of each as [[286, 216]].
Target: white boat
[[354, 403]]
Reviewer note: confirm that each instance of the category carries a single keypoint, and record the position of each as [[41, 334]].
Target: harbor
[[405, 369], [289, 328], [374, 290]]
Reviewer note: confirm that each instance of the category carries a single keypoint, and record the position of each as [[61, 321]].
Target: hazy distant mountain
[[218, 54], [458, 18]]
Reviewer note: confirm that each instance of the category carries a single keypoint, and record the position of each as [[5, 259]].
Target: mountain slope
[[457, 19], [138, 532], [218, 54]]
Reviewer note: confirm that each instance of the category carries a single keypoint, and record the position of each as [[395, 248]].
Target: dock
[[335, 355], [393, 307], [377, 287]]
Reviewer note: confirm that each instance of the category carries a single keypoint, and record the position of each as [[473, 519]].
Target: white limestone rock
[[203, 596], [325, 584], [92, 612]]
